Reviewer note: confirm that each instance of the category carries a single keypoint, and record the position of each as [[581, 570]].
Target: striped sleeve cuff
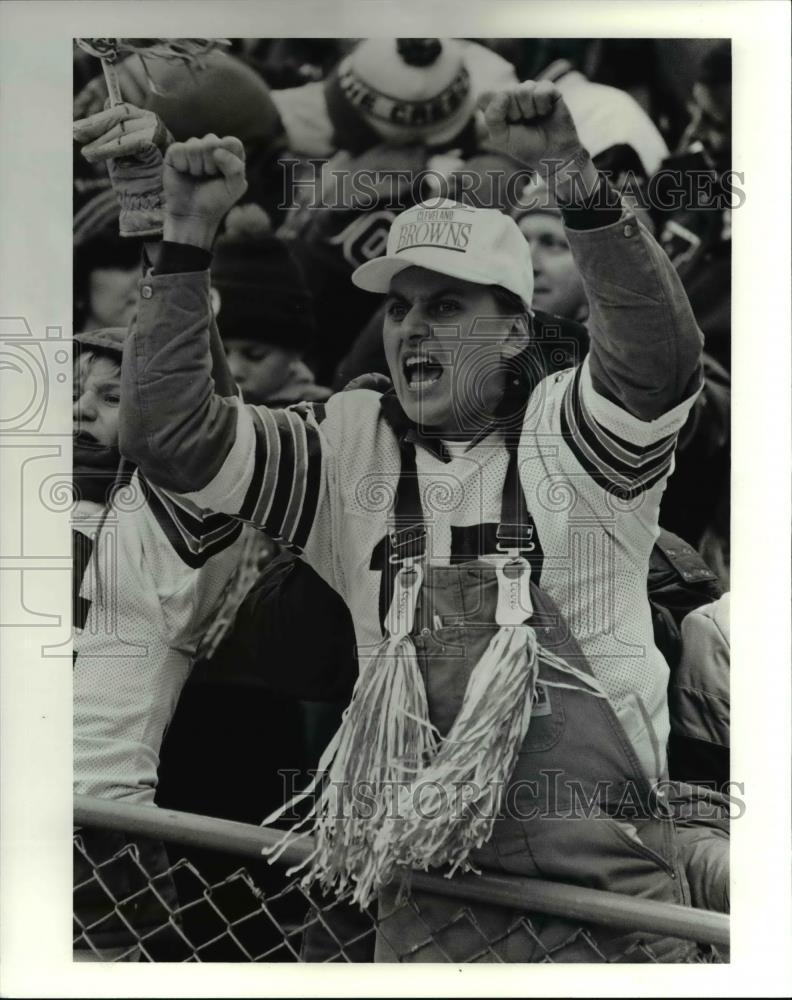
[[193, 537], [272, 475], [283, 494], [623, 454]]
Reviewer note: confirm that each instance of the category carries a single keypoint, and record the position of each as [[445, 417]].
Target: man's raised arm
[[173, 423], [256, 464], [645, 342]]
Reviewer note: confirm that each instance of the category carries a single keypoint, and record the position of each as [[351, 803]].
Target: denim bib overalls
[[578, 806]]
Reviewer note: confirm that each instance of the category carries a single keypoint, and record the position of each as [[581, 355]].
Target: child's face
[[264, 371], [97, 386], [445, 340]]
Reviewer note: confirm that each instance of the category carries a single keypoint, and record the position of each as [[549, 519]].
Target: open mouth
[[421, 371], [86, 440]]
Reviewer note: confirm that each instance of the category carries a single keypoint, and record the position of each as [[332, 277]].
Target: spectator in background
[[699, 697], [558, 287], [136, 626], [620, 134], [106, 271], [264, 312], [697, 234], [658, 72], [697, 238], [700, 739], [398, 91], [710, 108]]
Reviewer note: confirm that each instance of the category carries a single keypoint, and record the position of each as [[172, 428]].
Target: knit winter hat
[[408, 89], [223, 95], [109, 340], [259, 291]]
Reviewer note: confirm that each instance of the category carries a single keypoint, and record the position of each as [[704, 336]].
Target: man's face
[[445, 340], [112, 296], [558, 288], [266, 372], [710, 122], [97, 386]]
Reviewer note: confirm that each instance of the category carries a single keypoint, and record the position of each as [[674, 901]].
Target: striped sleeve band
[[194, 538], [272, 476], [283, 494], [621, 466]]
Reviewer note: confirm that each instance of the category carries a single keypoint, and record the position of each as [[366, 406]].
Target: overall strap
[[516, 529], [407, 531]]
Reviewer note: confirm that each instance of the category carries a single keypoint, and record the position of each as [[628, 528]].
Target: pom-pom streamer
[[393, 795]]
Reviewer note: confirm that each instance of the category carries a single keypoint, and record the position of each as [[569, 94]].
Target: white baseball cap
[[481, 245]]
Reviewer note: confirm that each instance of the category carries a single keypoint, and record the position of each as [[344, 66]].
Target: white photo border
[[35, 690]]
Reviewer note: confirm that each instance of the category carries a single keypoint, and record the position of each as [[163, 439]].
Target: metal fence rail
[[198, 902]]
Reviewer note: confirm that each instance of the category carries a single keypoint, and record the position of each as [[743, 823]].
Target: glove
[[132, 142]]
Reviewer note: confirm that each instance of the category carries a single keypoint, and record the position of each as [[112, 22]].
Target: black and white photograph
[[416, 378]]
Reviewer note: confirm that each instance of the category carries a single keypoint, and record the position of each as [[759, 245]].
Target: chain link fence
[[209, 896]]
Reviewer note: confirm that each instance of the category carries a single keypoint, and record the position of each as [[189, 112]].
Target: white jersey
[[150, 588], [323, 478]]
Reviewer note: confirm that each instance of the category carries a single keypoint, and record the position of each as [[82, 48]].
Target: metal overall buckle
[[408, 547], [406, 586], [515, 538], [513, 572], [408, 542]]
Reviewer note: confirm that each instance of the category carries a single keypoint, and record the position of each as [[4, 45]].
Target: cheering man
[[489, 528]]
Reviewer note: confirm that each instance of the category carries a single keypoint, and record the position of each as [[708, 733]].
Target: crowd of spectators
[[316, 116]]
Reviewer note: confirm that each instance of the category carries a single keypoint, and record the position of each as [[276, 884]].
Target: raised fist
[[531, 123], [202, 180]]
